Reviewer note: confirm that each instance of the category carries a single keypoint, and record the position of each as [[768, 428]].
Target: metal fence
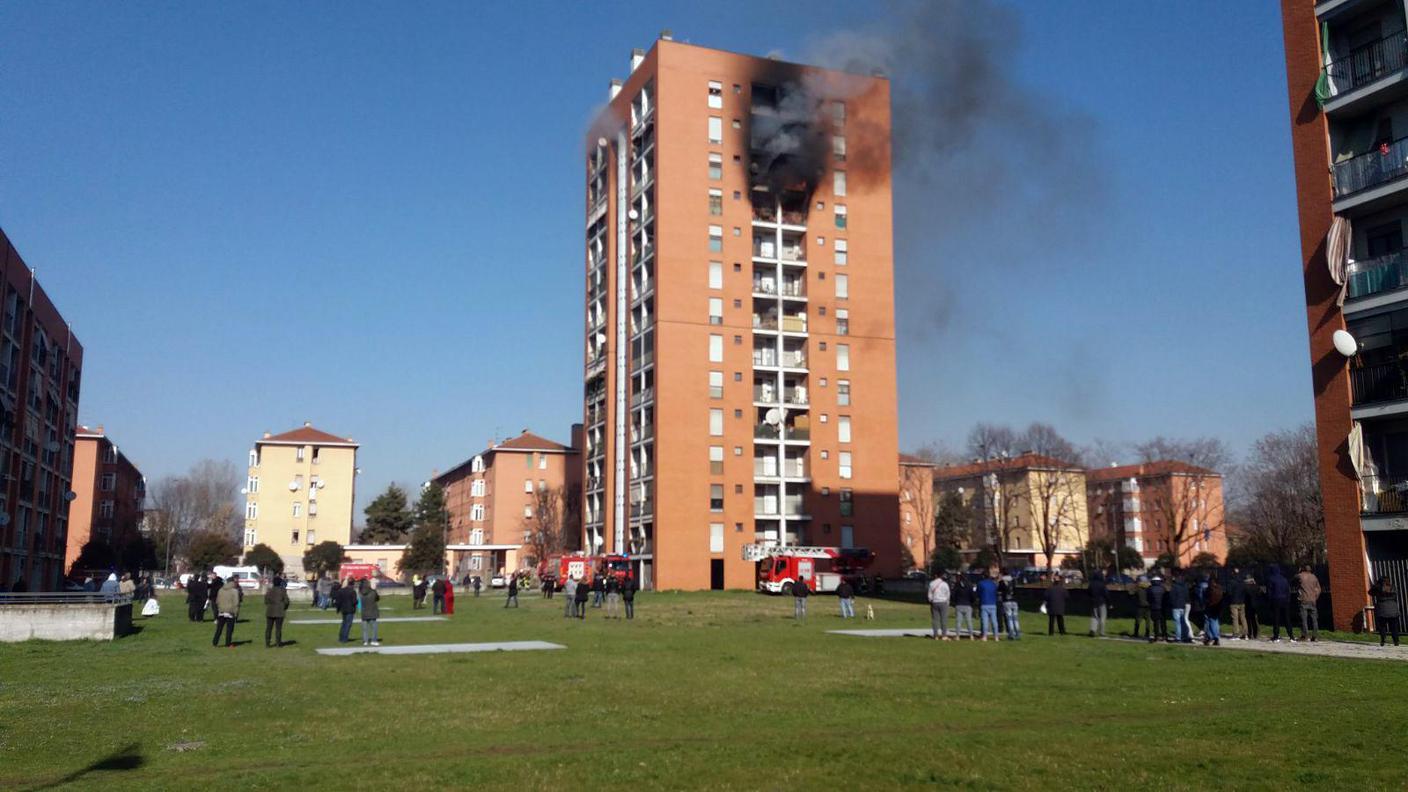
[[64, 598], [1368, 63], [1381, 274], [1378, 382], [1372, 168]]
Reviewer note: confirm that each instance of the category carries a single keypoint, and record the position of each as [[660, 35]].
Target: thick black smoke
[[790, 141]]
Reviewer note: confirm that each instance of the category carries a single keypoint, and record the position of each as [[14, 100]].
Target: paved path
[[358, 620], [883, 633], [1350, 649], [508, 646]]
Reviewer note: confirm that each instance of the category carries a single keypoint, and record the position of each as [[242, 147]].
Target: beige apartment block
[[301, 487]]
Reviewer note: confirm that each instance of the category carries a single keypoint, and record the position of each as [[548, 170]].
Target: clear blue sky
[[387, 198]]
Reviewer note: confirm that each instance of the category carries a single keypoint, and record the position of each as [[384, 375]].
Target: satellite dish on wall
[[321, 483], [601, 142], [773, 417], [293, 486], [70, 496], [1345, 343], [633, 214]]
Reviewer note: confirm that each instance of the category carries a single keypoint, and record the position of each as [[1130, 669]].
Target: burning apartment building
[[740, 355]]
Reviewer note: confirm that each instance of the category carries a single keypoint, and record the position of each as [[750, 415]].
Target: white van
[[247, 576]]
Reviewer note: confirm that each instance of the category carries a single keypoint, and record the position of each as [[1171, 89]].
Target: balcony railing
[[1384, 495], [794, 324], [1381, 274], [765, 431], [1384, 164], [1368, 63], [764, 322], [1378, 383]]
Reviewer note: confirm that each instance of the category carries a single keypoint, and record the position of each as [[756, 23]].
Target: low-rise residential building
[[301, 487], [109, 494], [1011, 499], [500, 499], [1157, 508]]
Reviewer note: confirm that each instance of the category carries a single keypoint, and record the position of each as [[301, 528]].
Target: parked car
[[915, 574], [295, 585], [498, 581], [163, 583]]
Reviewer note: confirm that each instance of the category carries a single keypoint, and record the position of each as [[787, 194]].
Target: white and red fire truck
[[779, 567], [583, 567]]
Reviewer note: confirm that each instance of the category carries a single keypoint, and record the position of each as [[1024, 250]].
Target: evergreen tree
[[322, 558], [264, 557], [388, 519], [209, 548], [426, 553], [95, 555]]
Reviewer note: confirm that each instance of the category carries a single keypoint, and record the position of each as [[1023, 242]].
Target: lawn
[[709, 690]]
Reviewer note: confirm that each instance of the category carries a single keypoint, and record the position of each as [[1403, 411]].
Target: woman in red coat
[[450, 599]]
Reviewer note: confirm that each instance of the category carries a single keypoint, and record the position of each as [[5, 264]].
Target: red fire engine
[[583, 567], [822, 567]]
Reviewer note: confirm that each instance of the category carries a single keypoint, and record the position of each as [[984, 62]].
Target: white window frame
[[716, 384], [298, 508], [716, 274], [845, 467], [251, 511], [716, 348], [528, 485], [716, 130], [716, 310], [840, 246], [716, 95], [716, 422], [716, 537], [838, 183], [843, 357], [843, 286], [843, 428]]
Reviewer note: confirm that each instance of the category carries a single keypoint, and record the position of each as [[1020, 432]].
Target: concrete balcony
[[1368, 76]]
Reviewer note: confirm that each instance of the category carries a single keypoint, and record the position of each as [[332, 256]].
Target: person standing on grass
[[275, 606], [1099, 604], [325, 585], [1278, 590], [1007, 593], [939, 595], [579, 599], [345, 600], [1141, 609], [1237, 605], [569, 595], [1386, 609], [800, 592], [987, 607], [126, 587], [613, 597], [1196, 589], [1178, 603], [195, 598], [1253, 591], [628, 594], [846, 593], [1157, 602], [417, 592], [512, 598], [227, 610], [1213, 601], [478, 584], [1056, 597], [437, 596], [371, 612], [962, 596], [449, 597], [598, 589], [1309, 604]]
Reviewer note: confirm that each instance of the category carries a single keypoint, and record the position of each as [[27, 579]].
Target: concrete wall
[[64, 621]]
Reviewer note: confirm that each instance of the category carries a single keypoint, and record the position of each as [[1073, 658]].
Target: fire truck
[[779, 567], [583, 567]]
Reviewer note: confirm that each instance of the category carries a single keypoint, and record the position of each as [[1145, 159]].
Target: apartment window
[[716, 460], [843, 393], [528, 460], [716, 384], [716, 497], [843, 357], [838, 183], [838, 113], [838, 147], [476, 489], [716, 537], [252, 486], [105, 509], [840, 216], [716, 274], [476, 563], [527, 485], [716, 166], [716, 348], [848, 536], [542, 461], [109, 455], [298, 508], [312, 537], [312, 509], [542, 485], [253, 458], [299, 452], [843, 321], [476, 513], [716, 129], [843, 287], [108, 482], [716, 239], [716, 94], [527, 512], [251, 511], [716, 310], [716, 202], [843, 464], [477, 465], [315, 454], [716, 422], [738, 450], [250, 537], [843, 428], [295, 538], [840, 248], [848, 506]]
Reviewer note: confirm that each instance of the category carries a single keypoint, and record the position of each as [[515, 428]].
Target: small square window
[[737, 413], [825, 454], [821, 310], [737, 489], [738, 527], [823, 382], [737, 303], [737, 124], [823, 346], [737, 267], [738, 450], [825, 491], [737, 340], [737, 195], [737, 231], [737, 376], [822, 417]]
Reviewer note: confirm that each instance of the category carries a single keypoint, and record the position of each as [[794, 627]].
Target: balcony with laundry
[[1365, 51]]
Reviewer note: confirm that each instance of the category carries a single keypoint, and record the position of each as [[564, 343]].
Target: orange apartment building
[[109, 494], [1159, 507], [1010, 498], [491, 499], [740, 355], [41, 364], [1346, 68]]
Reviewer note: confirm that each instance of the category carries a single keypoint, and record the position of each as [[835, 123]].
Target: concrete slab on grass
[[1353, 650], [503, 646], [382, 620], [910, 633]]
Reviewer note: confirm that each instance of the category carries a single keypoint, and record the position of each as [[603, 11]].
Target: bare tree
[[938, 452], [548, 529], [1041, 438], [917, 493], [1001, 498], [1057, 500], [203, 500], [571, 519], [1278, 510], [992, 441], [1190, 502]]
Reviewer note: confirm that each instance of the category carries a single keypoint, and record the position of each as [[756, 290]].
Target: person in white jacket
[[938, 607]]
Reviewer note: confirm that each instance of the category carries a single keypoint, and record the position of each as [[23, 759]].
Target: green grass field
[[719, 690]]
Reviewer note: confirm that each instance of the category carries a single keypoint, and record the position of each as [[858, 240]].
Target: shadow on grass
[[128, 757]]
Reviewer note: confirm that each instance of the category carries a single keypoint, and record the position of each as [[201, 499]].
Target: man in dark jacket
[[628, 595], [1141, 609], [846, 593], [437, 592], [1178, 603], [961, 594], [1278, 590], [800, 592], [275, 606], [598, 590], [512, 598], [346, 601], [1157, 595], [579, 599], [1056, 606], [418, 588], [1099, 604], [1237, 605], [196, 595], [371, 613], [1213, 599]]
